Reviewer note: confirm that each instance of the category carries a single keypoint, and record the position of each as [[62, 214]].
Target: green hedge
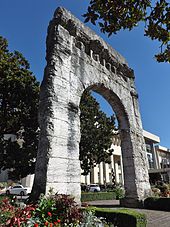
[[92, 196], [156, 203], [122, 217]]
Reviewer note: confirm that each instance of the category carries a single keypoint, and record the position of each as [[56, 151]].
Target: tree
[[19, 95], [96, 134], [114, 15]]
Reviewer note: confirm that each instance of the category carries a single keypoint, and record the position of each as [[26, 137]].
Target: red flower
[[51, 224], [49, 214], [55, 223], [46, 223], [36, 225], [58, 220]]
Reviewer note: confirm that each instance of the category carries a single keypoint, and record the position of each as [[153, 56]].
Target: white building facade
[[158, 158]]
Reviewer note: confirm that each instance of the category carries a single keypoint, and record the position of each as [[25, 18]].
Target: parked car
[[17, 190], [93, 188]]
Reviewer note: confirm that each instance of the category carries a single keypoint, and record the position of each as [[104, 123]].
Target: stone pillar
[[116, 172], [136, 178], [107, 172], [96, 174], [58, 164], [104, 173], [101, 173], [92, 180], [87, 179]]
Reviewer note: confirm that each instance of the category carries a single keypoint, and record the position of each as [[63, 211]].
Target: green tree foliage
[[114, 15], [19, 94], [96, 133]]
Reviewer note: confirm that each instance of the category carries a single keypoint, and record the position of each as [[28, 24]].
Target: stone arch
[[77, 59]]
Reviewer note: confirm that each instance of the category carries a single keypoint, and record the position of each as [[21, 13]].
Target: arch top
[[115, 102], [91, 41]]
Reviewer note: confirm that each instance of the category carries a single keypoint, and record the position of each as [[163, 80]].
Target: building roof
[[150, 136], [161, 148]]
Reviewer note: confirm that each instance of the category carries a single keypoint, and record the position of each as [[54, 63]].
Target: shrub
[[122, 217], [21, 216], [58, 210], [117, 193], [45, 211], [92, 196], [156, 192], [67, 209], [161, 189], [156, 203], [90, 220]]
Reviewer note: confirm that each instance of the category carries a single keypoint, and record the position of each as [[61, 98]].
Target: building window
[[110, 177], [149, 148], [150, 160], [165, 163]]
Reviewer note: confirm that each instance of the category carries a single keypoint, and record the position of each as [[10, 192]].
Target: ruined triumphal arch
[[78, 59]]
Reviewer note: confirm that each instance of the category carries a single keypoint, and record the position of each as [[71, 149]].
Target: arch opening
[[122, 138]]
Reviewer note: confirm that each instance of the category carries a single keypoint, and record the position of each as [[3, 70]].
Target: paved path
[[154, 218]]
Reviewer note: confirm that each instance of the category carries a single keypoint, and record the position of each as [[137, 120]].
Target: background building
[[158, 160]]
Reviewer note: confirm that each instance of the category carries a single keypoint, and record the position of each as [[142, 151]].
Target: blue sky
[[24, 24]]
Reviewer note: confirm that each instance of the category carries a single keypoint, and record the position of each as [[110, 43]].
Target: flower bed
[[60, 211]]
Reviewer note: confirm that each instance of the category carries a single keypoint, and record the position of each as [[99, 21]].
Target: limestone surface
[[78, 59]]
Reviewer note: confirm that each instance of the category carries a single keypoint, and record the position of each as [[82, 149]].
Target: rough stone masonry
[[78, 59]]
